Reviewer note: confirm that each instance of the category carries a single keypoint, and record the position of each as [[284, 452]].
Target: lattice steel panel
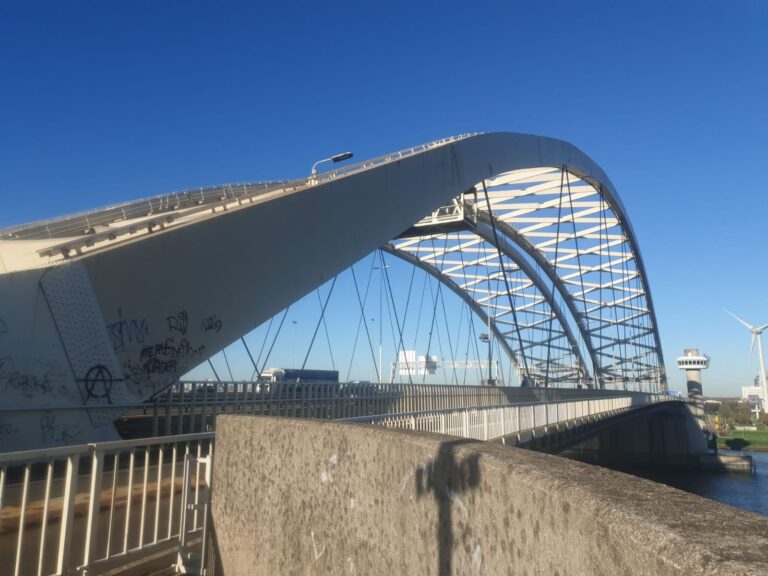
[[576, 247]]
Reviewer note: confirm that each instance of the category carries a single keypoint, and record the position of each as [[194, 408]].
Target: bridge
[[102, 313]]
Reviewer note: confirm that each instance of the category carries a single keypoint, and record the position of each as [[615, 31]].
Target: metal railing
[[162, 208], [89, 507], [490, 422], [192, 406]]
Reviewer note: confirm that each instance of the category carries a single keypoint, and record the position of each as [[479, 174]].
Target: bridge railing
[[97, 225], [489, 422], [94, 507], [90, 507], [192, 406]]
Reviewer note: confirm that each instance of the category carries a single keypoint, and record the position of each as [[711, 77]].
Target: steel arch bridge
[[114, 304], [552, 259]]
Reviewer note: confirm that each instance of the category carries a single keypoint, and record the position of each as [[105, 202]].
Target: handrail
[[84, 222]]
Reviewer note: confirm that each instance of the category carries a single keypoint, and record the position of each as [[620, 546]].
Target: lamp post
[[381, 323], [487, 338], [335, 159]]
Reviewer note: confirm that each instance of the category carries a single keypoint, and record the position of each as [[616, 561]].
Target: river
[[747, 491]]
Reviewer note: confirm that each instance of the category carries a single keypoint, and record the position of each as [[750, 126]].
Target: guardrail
[[487, 423], [90, 507], [192, 406]]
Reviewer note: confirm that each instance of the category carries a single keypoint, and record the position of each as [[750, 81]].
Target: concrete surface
[[318, 497]]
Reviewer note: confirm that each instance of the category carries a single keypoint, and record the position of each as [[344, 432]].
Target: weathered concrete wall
[[318, 497]]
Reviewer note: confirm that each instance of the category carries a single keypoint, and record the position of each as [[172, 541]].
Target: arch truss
[[551, 258]]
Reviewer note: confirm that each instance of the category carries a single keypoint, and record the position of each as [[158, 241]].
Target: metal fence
[[90, 507], [487, 423], [95, 507], [192, 406]]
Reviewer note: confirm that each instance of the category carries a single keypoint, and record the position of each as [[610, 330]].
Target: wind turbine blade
[[761, 328], [740, 320]]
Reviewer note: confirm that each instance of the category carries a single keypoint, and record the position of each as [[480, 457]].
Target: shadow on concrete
[[447, 479]]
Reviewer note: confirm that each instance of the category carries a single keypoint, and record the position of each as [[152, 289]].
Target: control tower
[[693, 363]]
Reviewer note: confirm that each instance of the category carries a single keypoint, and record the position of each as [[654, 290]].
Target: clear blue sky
[[108, 101]]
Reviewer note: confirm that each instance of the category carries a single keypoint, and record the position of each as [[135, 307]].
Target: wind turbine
[[758, 332]]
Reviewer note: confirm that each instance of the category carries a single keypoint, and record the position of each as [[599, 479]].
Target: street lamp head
[[341, 157], [337, 158]]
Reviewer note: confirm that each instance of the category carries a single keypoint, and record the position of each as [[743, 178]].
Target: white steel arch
[[578, 238]]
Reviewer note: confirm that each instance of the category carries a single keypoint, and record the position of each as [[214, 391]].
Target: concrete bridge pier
[[667, 436]]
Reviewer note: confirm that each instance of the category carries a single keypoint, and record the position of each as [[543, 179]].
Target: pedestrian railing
[[490, 422], [89, 508], [192, 406], [82, 509]]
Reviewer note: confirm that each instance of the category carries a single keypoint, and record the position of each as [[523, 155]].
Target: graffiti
[[27, 385], [127, 331], [159, 362], [210, 323], [178, 323], [170, 349], [3, 327], [55, 433], [7, 430], [98, 383]]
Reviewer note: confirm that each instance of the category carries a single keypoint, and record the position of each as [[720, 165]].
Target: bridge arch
[[73, 289], [575, 233]]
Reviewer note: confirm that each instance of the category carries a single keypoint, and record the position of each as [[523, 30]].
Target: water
[[747, 491]]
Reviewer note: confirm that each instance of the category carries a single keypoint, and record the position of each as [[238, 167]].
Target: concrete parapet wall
[[319, 497]]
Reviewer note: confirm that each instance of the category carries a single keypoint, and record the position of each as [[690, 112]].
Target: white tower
[[693, 363]]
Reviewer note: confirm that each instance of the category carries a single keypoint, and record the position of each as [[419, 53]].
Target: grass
[[744, 440]]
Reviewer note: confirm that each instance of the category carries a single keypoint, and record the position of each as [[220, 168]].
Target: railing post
[[485, 424], [94, 508], [67, 514], [466, 423], [503, 421]]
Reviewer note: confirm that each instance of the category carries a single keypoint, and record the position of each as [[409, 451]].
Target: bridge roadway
[[155, 491]]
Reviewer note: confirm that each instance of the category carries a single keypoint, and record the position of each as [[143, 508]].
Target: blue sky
[[109, 101]]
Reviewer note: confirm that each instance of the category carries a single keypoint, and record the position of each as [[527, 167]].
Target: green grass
[[744, 440]]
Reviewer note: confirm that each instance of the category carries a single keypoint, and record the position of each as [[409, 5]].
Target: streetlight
[[487, 338], [337, 158]]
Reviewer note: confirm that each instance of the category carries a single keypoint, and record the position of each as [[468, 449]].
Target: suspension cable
[[421, 307], [363, 321], [581, 275], [506, 281], [325, 328], [554, 269], [263, 343], [216, 374], [434, 313], [226, 361], [317, 326], [397, 321], [248, 350], [277, 333]]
